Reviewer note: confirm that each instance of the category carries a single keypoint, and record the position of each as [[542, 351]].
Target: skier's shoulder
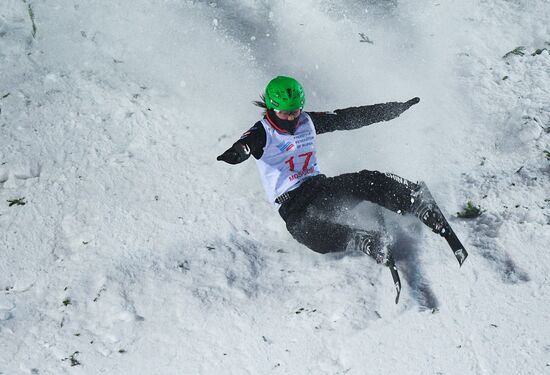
[[254, 131], [319, 115], [322, 120], [255, 138]]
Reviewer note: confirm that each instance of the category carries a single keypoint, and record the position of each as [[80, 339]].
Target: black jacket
[[253, 141]]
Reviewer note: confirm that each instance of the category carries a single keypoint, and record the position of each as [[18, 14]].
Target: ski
[[395, 277], [427, 203], [390, 263], [456, 246]]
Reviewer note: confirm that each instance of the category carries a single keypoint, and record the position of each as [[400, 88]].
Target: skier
[[283, 143]]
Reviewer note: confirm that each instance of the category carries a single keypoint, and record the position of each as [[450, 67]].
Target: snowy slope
[[137, 253]]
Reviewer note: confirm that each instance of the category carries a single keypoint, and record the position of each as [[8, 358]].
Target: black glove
[[236, 154], [413, 101]]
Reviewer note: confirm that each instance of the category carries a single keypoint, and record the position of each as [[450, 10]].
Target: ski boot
[[373, 244], [424, 207], [376, 245]]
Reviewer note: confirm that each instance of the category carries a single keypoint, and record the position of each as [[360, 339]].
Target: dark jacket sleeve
[[255, 139], [252, 142], [356, 117]]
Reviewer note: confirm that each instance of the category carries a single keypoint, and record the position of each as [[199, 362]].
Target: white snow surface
[[136, 252]]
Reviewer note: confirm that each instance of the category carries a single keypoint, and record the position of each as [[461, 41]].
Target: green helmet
[[284, 94]]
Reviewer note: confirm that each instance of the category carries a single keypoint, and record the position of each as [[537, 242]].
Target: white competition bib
[[288, 159]]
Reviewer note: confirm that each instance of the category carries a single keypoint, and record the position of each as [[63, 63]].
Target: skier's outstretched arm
[[252, 142], [357, 117]]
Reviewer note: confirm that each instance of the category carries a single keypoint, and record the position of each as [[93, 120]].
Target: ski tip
[[396, 278], [461, 255], [398, 288]]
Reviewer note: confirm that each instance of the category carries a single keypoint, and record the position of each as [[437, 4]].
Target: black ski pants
[[310, 211]]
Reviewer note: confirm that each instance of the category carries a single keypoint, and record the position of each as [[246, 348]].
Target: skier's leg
[[392, 192], [319, 235], [308, 217], [385, 189], [324, 237], [315, 227]]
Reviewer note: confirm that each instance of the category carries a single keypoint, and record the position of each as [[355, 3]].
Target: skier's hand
[[413, 101], [230, 156], [236, 154]]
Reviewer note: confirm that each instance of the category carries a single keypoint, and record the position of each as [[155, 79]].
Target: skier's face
[[288, 115]]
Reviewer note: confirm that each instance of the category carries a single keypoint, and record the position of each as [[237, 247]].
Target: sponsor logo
[[245, 134], [285, 146], [303, 173], [401, 180], [460, 255]]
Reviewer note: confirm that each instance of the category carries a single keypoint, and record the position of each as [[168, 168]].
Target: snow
[[136, 252]]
